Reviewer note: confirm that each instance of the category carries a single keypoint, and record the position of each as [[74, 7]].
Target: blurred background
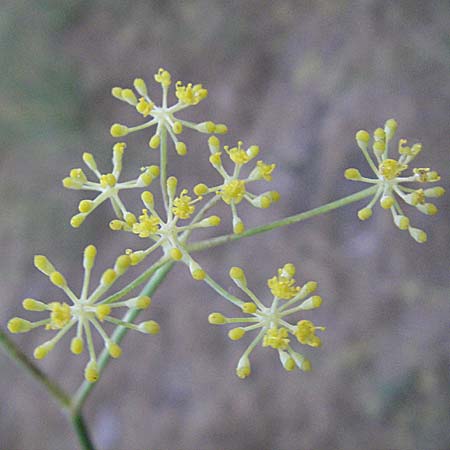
[[297, 78]]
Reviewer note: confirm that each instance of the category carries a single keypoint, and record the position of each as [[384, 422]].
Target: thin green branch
[[22, 360], [220, 240], [82, 432], [119, 333]]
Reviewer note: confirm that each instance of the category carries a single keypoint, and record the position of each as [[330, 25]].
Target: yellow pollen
[[390, 168], [283, 287], [237, 154], [144, 107], [233, 191], [276, 338], [305, 333], [147, 225], [108, 180], [190, 95], [60, 315], [182, 205]]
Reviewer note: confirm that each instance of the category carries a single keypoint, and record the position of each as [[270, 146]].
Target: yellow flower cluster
[[164, 116], [390, 178], [167, 234], [86, 311], [108, 184], [234, 188], [274, 330]]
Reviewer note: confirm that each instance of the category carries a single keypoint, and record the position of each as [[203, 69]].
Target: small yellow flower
[[86, 312], [166, 233], [234, 188], [390, 178], [108, 185], [274, 330], [164, 116]]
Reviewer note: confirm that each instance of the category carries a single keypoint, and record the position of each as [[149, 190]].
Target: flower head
[[85, 311], [167, 233], [234, 187], [274, 330], [164, 116], [108, 184], [390, 178]]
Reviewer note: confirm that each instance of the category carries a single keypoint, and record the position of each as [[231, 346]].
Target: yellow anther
[[276, 338], [305, 333], [76, 345], [18, 325], [249, 308], [236, 333], [43, 350], [149, 327], [154, 141], [189, 94], [91, 373], [216, 319], [365, 213], [144, 107], [163, 77], [108, 277], [60, 315], [85, 206], [283, 286], [108, 180], [233, 191], [262, 171], [118, 130], [147, 225], [183, 207], [237, 154], [43, 264], [58, 279], [176, 254], [390, 169]]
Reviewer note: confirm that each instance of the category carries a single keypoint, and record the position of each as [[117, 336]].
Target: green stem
[[82, 432], [119, 333], [220, 240], [221, 291], [22, 360]]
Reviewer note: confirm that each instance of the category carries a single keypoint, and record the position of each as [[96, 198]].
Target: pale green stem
[[224, 293], [119, 333], [220, 240]]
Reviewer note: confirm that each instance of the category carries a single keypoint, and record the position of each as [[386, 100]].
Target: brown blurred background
[[298, 78]]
